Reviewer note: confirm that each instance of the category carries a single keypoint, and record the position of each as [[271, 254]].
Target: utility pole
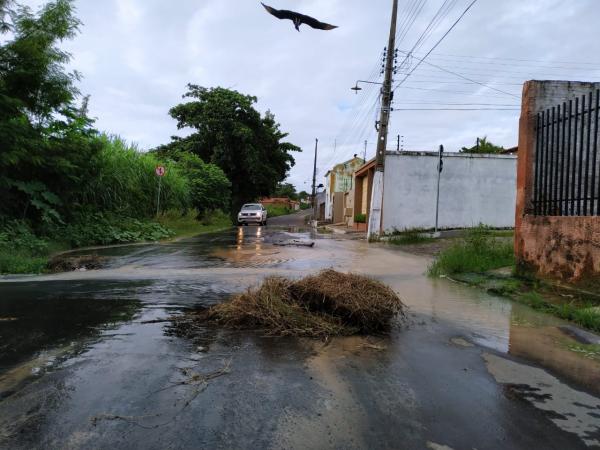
[[314, 183], [386, 102], [365, 158]]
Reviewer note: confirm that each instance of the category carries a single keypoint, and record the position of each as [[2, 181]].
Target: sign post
[[160, 173], [437, 200]]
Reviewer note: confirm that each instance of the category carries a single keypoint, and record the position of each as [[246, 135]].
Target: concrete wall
[[567, 248], [474, 189]]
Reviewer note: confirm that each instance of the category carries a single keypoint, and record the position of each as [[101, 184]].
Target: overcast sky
[[136, 57]]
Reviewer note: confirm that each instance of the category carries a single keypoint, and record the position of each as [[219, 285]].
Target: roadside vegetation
[[476, 260], [278, 210], [409, 237], [65, 184], [479, 251]]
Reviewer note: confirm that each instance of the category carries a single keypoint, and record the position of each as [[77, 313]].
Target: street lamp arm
[[358, 88]]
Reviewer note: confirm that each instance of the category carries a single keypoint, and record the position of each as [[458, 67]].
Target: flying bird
[[298, 18]]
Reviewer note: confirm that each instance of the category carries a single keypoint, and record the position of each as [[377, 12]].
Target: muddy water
[[88, 364]]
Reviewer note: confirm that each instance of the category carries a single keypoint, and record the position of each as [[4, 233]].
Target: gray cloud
[[137, 56]]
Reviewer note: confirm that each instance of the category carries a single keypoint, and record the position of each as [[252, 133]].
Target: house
[[363, 184], [339, 201]]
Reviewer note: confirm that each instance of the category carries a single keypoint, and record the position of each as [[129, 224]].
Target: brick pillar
[[525, 164]]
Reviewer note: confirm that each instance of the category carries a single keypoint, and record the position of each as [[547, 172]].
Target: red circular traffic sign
[[160, 171]]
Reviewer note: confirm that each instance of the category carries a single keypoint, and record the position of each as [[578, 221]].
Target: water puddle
[[571, 410]]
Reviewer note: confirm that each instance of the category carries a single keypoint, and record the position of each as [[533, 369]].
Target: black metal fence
[[567, 159]]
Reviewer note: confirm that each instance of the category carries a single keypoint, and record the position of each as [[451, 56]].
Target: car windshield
[[251, 208]]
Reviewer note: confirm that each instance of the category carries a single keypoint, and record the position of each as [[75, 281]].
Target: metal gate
[[567, 159]]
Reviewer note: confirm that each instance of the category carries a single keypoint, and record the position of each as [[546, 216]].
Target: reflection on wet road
[[86, 361]]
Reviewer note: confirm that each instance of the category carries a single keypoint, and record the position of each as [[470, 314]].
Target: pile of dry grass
[[328, 304]]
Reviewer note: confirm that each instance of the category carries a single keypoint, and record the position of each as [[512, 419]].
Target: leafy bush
[[360, 218], [17, 235], [20, 250], [210, 189], [106, 229], [478, 252]]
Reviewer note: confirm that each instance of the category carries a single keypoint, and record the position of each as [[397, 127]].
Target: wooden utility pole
[[314, 183], [375, 215]]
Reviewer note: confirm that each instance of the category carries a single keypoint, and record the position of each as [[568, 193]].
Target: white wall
[[474, 189]]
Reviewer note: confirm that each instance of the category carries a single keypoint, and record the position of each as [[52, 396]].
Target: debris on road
[[294, 243], [63, 263], [327, 304]]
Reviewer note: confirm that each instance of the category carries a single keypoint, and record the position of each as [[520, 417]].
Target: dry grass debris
[[327, 304]]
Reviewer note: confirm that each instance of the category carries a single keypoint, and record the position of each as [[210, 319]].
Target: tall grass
[[478, 252], [126, 182]]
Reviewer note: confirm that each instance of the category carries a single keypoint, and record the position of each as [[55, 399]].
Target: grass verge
[[470, 260], [188, 225], [409, 237], [478, 252], [277, 210]]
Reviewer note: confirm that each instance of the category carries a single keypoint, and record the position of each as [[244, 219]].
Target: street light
[[358, 88]]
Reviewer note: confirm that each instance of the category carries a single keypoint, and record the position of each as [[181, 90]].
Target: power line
[[422, 60], [514, 59], [457, 109], [459, 104]]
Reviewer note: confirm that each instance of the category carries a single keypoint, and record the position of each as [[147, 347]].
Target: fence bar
[[568, 157], [574, 168], [545, 166], [536, 184], [555, 154], [586, 190], [595, 159], [562, 161], [580, 163]]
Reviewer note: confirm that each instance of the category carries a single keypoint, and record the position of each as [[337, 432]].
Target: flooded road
[[87, 361]]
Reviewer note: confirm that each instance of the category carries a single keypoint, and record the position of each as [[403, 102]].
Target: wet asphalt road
[[86, 363]]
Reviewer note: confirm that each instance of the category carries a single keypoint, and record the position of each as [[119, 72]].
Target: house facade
[[339, 184]]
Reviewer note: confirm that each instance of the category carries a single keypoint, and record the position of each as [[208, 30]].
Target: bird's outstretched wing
[[280, 13], [314, 23], [294, 16]]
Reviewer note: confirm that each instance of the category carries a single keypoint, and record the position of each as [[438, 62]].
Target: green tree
[[483, 146], [209, 186], [286, 190], [303, 195], [48, 146], [232, 134]]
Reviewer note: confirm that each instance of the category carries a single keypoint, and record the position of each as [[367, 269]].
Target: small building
[[281, 201], [339, 202]]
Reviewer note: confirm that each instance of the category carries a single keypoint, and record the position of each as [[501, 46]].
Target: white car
[[252, 213]]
